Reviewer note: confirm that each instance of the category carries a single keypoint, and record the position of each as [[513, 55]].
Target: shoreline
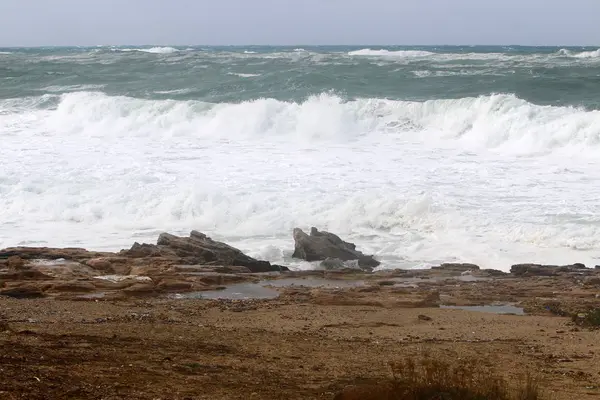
[[90, 324]]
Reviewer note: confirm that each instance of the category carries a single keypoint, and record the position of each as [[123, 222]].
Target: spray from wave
[[584, 54], [362, 168]]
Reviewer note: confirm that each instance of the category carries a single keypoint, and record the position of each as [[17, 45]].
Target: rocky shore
[[223, 325]]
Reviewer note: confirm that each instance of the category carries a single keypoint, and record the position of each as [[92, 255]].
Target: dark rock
[[198, 249], [320, 246], [495, 272], [171, 285], [25, 275], [48, 253], [458, 267], [424, 317], [545, 270], [23, 292], [282, 268]]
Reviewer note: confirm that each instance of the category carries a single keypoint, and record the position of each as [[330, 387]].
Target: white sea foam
[[243, 75], [462, 72], [388, 53], [152, 50], [583, 54], [173, 91], [70, 88], [5, 53], [489, 179], [249, 52]]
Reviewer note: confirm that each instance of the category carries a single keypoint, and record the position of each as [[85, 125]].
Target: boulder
[[198, 249], [320, 246]]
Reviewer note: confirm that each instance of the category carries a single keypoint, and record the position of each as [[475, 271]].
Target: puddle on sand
[[260, 290], [242, 291], [312, 282], [494, 309]]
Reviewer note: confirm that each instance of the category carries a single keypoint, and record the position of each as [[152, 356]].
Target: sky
[[290, 22]]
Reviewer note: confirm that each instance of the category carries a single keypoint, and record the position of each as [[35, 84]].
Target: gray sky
[[188, 22]]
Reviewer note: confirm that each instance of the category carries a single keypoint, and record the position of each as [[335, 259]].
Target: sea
[[418, 155]]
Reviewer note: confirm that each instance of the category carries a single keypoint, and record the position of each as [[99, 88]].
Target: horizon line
[[298, 45]]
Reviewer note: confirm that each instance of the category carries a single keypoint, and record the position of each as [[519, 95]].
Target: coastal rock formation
[[198, 249], [173, 265], [547, 270], [321, 245]]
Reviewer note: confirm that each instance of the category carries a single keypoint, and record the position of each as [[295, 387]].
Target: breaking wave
[[584, 54], [152, 50], [389, 53], [500, 121], [406, 180]]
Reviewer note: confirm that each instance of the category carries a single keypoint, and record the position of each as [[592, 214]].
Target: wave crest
[[584, 54], [389, 53], [152, 50], [500, 121]]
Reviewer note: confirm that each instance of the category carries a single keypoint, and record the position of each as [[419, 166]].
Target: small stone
[[424, 318]]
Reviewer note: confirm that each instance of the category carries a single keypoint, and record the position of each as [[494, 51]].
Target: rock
[[494, 272], [101, 264], [195, 269], [424, 318], [146, 250], [458, 267], [48, 253], [140, 289], [545, 270], [170, 285], [74, 287], [320, 246], [25, 275], [15, 262], [23, 292], [198, 249]]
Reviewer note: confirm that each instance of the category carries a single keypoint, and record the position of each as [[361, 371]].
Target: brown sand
[[308, 344]]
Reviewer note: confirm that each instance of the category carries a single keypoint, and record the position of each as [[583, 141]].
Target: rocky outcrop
[[320, 246], [547, 270], [198, 249], [457, 267], [172, 265]]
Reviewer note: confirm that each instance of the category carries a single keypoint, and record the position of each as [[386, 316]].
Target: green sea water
[[540, 75]]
